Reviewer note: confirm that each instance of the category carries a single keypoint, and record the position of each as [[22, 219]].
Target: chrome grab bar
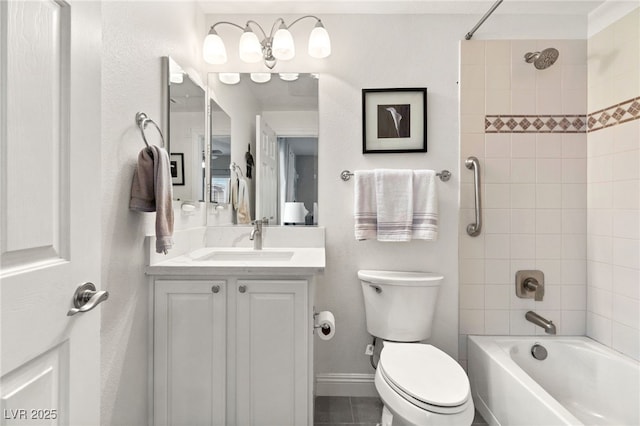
[[473, 229]]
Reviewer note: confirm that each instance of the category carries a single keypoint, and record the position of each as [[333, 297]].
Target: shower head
[[542, 60]]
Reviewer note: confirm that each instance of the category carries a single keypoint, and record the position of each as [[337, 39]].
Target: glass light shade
[[260, 77], [288, 76], [319, 42], [250, 48], [283, 47], [229, 77], [213, 50]]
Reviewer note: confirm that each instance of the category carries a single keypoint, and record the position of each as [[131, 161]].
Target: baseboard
[[344, 384]]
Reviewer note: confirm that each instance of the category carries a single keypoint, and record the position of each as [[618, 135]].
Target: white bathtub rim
[[495, 348], [495, 352]]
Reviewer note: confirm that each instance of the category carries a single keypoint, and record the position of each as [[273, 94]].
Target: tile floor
[[355, 411]]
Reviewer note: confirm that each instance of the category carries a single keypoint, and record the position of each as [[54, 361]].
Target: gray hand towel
[[152, 191]]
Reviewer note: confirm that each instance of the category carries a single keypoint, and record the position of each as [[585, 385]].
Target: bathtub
[[581, 382]]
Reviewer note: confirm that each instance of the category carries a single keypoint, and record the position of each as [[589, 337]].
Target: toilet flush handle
[[377, 288]]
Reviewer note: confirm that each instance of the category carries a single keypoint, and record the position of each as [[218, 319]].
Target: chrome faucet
[[548, 326], [256, 232]]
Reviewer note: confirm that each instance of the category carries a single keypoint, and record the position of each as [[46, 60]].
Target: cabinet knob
[[215, 289], [242, 289]]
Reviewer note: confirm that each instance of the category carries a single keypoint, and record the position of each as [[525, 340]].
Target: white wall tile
[[523, 145], [600, 302], [574, 170], [574, 297], [497, 170], [626, 223], [574, 271], [574, 246], [497, 221], [523, 196], [497, 196], [472, 271], [549, 170], [574, 196], [552, 269], [626, 194], [523, 170], [600, 275], [574, 221], [599, 328], [498, 101], [573, 323], [498, 145], [471, 296], [497, 246], [626, 311], [496, 296], [574, 145], [518, 325], [548, 145], [523, 101], [626, 340], [626, 253], [523, 246], [548, 196], [548, 246], [523, 221], [548, 221], [626, 282], [496, 322], [497, 271], [472, 321]]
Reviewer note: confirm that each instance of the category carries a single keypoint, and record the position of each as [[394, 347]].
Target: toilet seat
[[425, 376]]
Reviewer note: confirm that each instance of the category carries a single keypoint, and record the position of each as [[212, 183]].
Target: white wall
[[613, 200], [135, 36]]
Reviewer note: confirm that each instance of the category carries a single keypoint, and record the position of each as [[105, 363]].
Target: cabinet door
[[189, 353], [272, 350]]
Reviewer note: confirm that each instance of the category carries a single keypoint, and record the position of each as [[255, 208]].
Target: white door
[[189, 369], [267, 171], [272, 352], [50, 210]]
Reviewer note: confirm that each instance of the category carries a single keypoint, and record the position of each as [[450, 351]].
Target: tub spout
[[548, 326]]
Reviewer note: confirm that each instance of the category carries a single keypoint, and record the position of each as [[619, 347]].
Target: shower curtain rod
[[481, 21]]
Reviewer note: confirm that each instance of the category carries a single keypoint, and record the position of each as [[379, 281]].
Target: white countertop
[[271, 261]]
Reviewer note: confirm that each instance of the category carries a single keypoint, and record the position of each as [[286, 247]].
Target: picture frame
[[394, 120], [177, 168]]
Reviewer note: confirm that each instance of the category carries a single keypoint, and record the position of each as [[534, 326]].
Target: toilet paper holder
[[315, 322]]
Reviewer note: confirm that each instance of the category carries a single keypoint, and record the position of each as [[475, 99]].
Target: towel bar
[[141, 120], [444, 175]]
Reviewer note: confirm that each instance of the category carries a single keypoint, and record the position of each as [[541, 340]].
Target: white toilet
[[418, 383]]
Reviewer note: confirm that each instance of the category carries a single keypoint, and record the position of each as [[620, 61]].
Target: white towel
[[365, 215], [425, 205], [394, 200], [396, 205], [243, 212], [152, 191]]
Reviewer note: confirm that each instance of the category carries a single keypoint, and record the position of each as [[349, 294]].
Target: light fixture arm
[[224, 22], [303, 17]]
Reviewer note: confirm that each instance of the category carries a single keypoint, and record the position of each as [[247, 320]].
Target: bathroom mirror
[[220, 154], [185, 115], [274, 126]]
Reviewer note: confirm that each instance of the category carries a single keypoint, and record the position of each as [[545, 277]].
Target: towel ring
[[141, 120]]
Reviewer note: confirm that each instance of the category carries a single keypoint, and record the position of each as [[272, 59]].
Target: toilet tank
[[399, 306]]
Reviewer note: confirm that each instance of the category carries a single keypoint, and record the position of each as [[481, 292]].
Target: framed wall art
[[177, 168], [394, 120]]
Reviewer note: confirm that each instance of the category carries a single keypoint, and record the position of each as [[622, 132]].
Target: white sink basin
[[246, 255]]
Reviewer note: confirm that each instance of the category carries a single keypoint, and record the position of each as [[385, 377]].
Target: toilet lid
[[425, 373]]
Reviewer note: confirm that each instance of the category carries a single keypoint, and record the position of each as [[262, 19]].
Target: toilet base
[[404, 413]]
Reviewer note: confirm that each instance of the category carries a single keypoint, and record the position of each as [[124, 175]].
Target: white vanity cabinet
[[189, 334], [233, 351]]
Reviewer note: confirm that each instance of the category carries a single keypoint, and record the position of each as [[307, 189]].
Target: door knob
[[86, 298], [242, 289]]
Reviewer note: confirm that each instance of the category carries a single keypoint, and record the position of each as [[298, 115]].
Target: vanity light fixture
[[278, 44], [260, 77], [229, 77]]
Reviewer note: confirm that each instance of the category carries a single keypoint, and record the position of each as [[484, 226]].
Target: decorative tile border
[[607, 117], [535, 124], [616, 114]]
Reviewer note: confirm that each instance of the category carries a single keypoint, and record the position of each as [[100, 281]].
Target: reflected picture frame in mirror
[[274, 122]]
